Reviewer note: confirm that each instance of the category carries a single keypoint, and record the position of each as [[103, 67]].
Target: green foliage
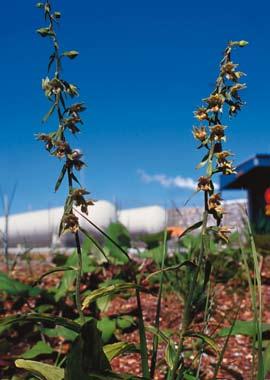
[[155, 254], [16, 288], [40, 348], [60, 331], [247, 328], [120, 235], [117, 349], [39, 318], [185, 270], [41, 370], [88, 265], [108, 291], [152, 240], [86, 354]]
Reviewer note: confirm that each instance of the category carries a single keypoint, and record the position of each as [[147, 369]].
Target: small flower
[[226, 167], [47, 139], [218, 211], [76, 108], [222, 233], [214, 201], [217, 132], [72, 90], [52, 87], [234, 108], [237, 87], [70, 223], [71, 122], [221, 156], [215, 102], [215, 208], [78, 197], [201, 114], [228, 70], [62, 148], [204, 184], [199, 133], [75, 159]]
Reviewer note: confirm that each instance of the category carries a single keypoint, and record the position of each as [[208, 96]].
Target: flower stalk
[[211, 135], [60, 94]]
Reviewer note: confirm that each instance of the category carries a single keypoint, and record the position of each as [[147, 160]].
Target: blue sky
[[143, 67]]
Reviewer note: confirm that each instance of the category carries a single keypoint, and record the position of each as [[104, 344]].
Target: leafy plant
[[91, 334]]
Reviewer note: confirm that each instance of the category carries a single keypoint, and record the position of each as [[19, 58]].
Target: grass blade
[[221, 356], [155, 338]]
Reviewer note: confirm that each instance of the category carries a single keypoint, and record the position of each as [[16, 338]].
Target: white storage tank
[[143, 220], [39, 228]]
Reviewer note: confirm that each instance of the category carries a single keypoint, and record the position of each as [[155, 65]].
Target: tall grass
[[255, 288]]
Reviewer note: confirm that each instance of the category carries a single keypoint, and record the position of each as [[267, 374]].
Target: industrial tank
[[143, 220], [39, 228]]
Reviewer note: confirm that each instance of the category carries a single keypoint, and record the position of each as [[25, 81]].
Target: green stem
[[79, 271], [188, 304], [79, 278], [143, 342], [157, 319]]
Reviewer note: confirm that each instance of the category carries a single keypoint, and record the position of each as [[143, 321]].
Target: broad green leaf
[[120, 235], [107, 327], [40, 348], [86, 354], [16, 288], [41, 370], [103, 303], [243, 328], [187, 376], [60, 331], [106, 291], [125, 322], [117, 349], [67, 281]]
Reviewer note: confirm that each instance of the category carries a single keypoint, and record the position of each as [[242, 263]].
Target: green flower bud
[[243, 43]]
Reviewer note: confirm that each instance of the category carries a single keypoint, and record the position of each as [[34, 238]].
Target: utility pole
[[7, 203]]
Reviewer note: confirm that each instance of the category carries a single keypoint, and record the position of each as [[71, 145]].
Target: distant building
[[253, 175]]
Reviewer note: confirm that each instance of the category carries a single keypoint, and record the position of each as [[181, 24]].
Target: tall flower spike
[[60, 93], [225, 96]]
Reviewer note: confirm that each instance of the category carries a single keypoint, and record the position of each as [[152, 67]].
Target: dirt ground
[[237, 363]]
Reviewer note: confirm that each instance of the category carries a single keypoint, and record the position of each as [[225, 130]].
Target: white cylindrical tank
[[37, 228], [143, 220]]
